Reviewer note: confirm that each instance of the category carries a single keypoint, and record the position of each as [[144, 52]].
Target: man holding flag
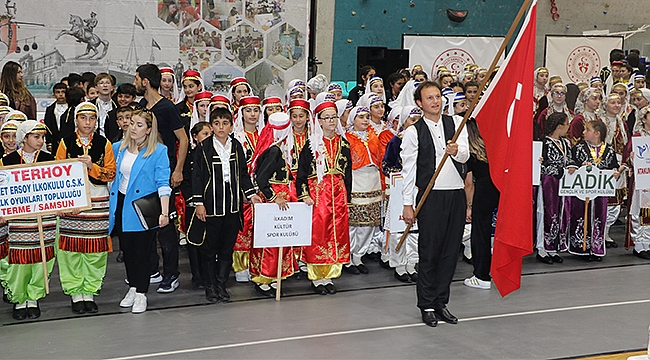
[[443, 211]]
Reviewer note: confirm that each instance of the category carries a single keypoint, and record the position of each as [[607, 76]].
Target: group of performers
[[609, 111], [327, 152]]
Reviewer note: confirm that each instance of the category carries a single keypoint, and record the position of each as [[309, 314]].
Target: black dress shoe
[[351, 270], [596, 258], [362, 269], [557, 259], [446, 316], [78, 307], [642, 254], [331, 289], [34, 312], [611, 244], [211, 294], [414, 277], [5, 298], [223, 294], [120, 257], [320, 289], [429, 318], [405, 278], [384, 264], [19, 314], [545, 259], [373, 256], [267, 293], [91, 307]]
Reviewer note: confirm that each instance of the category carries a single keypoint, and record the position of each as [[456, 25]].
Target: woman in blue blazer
[[142, 169]]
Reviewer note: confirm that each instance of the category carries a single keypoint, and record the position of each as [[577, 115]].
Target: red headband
[[166, 70], [220, 99], [272, 100], [324, 106], [299, 104], [191, 75], [238, 80], [203, 95], [249, 101]]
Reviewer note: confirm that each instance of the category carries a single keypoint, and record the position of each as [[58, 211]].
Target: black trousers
[[168, 239], [137, 247], [486, 200], [220, 236], [441, 221]]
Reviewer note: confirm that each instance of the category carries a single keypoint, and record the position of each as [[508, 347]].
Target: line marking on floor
[[381, 328]]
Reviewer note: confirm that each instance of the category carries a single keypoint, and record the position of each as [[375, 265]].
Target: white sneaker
[[129, 298], [477, 283], [242, 276], [140, 304]]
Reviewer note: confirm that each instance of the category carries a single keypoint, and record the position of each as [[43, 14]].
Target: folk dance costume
[[577, 125], [174, 94], [83, 237], [325, 176], [404, 260], [234, 103], [218, 185], [540, 91], [637, 234], [540, 120], [271, 166], [24, 277], [616, 137], [248, 140], [185, 107], [9, 127], [299, 141], [553, 210], [604, 157], [365, 203]]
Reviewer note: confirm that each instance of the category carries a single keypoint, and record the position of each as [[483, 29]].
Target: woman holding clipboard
[[139, 202]]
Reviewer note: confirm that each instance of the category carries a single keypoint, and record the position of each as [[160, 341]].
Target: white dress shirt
[[448, 179], [103, 108], [224, 155]]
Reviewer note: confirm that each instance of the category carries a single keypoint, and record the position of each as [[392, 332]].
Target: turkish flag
[[504, 119]]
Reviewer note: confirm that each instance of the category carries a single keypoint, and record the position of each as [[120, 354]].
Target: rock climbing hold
[[354, 13], [403, 19], [363, 26], [349, 40]]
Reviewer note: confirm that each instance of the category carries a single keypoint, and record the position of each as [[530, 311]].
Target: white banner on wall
[[579, 58], [451, 51]]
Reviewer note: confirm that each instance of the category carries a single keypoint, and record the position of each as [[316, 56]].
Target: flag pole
[[472, 105]]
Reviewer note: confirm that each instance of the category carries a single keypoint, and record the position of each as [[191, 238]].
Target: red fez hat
[[249, 101], [203, 95], [166, 70], [324, 106], [272, 100], [299, 104], [220, 99], [238, 80], [191, 75]]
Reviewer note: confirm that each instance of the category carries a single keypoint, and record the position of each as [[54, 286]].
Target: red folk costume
[[248, 140], [174, 95], [271, 165], [299, 141], [231, 96], [325, 175]]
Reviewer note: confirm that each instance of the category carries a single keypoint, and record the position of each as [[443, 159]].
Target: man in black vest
[[443, 213]]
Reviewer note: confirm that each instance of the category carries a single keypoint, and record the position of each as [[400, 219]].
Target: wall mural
[[264, 40]]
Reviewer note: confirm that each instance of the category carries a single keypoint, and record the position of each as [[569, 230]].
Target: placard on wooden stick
[[44, 188], [275, 228]]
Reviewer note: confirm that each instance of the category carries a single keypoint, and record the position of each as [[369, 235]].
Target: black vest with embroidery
[[96, 152], [426, 163]]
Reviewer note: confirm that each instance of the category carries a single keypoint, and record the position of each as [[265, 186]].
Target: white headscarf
[[25, 128], [407, 112], [405, 97], [369, 85]]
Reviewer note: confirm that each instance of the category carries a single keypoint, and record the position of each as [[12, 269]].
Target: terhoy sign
[[588, 182], [43, 188]]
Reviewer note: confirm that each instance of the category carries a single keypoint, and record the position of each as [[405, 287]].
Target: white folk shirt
[[224, 155], [448, 179]]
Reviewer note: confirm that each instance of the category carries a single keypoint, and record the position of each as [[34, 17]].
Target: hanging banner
[[641, 150], [43, 188], [454, 52], [578, 58]]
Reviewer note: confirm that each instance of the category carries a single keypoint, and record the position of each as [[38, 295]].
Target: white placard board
[[641, 151], [537, 167], [43, 188], [579, 58], [451, 51], [397, 224], [588, 182], [273, 227]]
